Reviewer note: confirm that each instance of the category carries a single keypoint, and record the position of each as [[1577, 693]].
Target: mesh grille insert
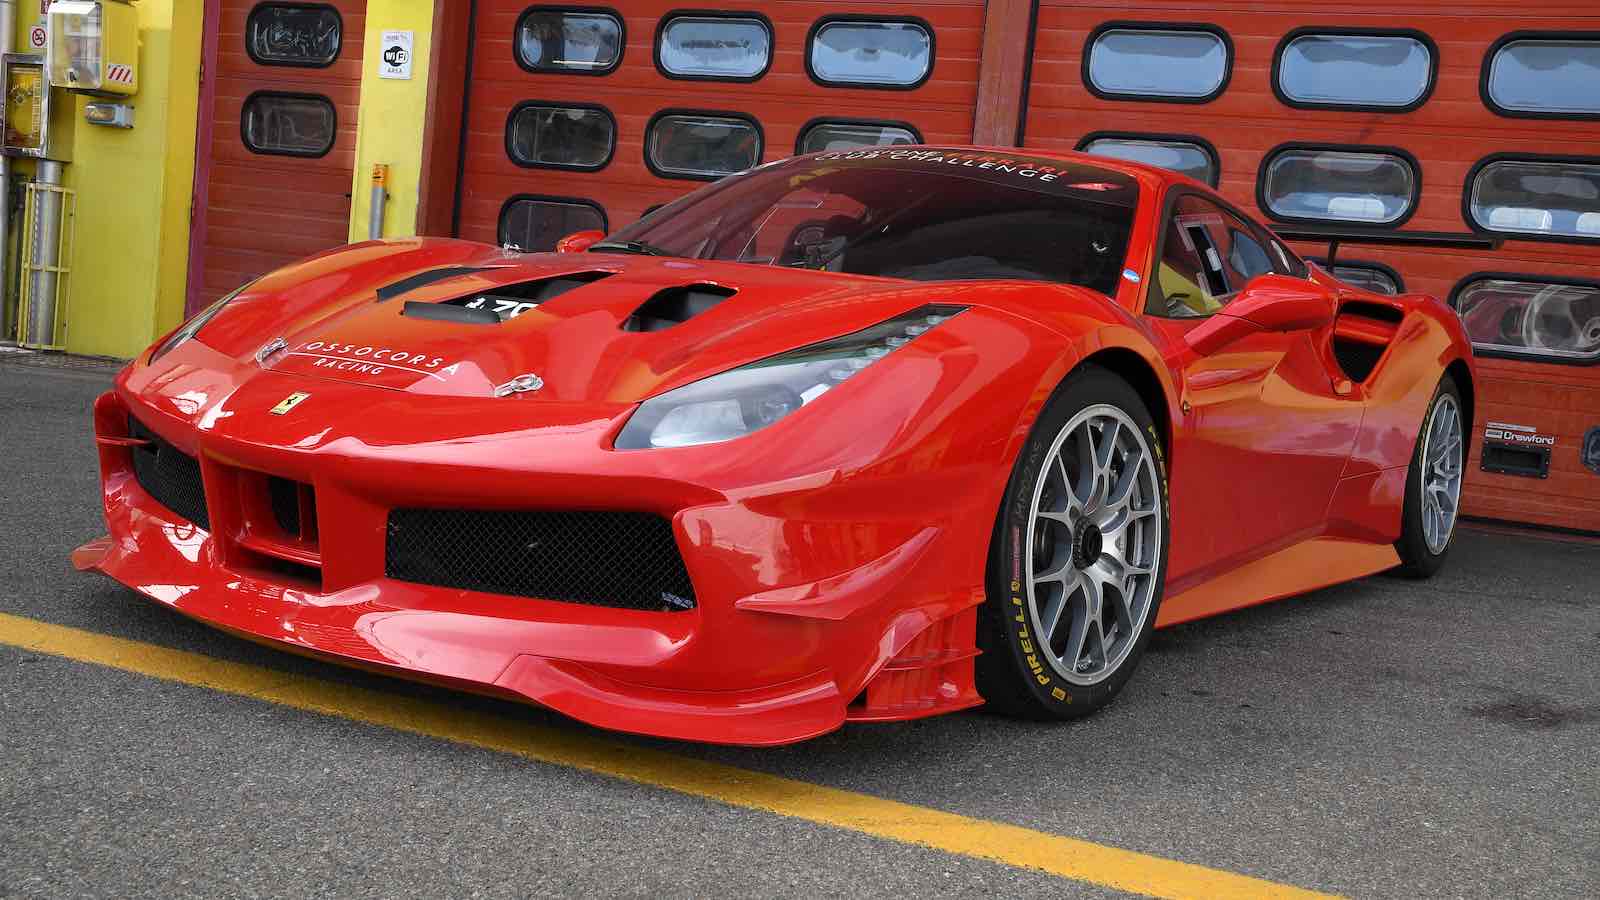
[[285, 497], [169, 475], [626, 560]]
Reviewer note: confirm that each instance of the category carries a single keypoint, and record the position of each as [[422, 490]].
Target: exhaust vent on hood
[[674, 305]]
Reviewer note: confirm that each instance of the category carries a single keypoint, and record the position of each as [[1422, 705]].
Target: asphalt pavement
[[1385, 738]]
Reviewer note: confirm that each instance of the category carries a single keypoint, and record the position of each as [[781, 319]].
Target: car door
[[1262, 436]]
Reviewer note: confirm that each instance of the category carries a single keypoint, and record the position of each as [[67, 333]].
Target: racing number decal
[[507, 309]]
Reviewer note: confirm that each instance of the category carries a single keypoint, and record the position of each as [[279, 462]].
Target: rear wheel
[[1078, 559], [1433, 485]]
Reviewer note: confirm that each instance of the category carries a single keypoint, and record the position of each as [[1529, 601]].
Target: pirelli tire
[[1078, 559]]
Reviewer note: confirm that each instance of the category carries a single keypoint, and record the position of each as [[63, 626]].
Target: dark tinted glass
[[558, 40], [535, 225], [561, 136], [1355, 70], [714, 47], [1556, 199], [1554, 76], [288, 124], [916, 214], [700, 146], [1533, 318], [851, 135], [294, 35]]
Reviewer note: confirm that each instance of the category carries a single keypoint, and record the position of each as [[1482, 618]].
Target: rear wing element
[[1335, 235]]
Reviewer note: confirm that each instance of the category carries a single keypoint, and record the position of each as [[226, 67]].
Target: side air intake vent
[[674, 305], [1361, 334]]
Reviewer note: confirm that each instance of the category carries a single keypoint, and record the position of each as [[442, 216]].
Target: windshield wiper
[[629, 247]]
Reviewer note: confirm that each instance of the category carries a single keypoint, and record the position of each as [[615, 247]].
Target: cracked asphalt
[[1384, 738]]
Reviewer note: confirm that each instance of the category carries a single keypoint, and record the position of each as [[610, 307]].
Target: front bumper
[[820, 598]]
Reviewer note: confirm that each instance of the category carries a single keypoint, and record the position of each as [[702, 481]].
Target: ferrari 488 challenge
[[855, 436]]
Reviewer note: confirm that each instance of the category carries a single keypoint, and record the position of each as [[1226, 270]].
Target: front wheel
[[1079, 556], [1433, 485]]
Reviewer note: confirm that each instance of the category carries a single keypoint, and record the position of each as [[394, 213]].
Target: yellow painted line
[[1011, 845]]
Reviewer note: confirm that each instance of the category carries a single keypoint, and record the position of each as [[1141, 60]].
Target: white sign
[[394, 55], [37, 36]]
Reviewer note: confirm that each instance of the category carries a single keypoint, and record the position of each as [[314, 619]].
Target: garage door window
[[1544, 75], [1131, 61], [1370, 187], [1389, 72], [292, 34], [1191, 156], [701, 145], [1369, 276], [582, 41], [844, 135], [279, 124], [729, 48], [560, 137], [1553, 199], [1525, 316], [535, 223], [870, 52]]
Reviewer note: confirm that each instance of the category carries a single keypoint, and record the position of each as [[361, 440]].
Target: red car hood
[[345, 324]]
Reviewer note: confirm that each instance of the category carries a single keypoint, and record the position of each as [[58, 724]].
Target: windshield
[[923, 214]]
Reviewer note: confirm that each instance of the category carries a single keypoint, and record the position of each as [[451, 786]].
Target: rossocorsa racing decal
[[368, 359], [1063, 175]]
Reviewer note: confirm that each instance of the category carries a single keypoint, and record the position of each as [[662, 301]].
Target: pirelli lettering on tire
[[1025, 640]]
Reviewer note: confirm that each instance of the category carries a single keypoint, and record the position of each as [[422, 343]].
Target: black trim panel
[[1403, 155], [933, 50], [1275, 75], [1123, 25], [1500, 43], [746, 15]]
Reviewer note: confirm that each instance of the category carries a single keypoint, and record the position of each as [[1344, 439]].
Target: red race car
[[856, 436]]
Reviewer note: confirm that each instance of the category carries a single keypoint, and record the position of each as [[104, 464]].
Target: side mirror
[[1268, 303], [579, 241]]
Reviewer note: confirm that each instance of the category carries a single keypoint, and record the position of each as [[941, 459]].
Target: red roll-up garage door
[[277, 138], [563, 101], [1276, 114]]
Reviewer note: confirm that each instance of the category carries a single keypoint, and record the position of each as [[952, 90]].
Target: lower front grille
[[284, 496], [625, 560], [169, 475]]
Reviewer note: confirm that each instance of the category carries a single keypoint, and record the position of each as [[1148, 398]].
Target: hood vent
[[674, 305], [502, 303], [423, 279]]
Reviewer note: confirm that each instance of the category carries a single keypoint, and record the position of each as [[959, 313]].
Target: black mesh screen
[[285, 497], [627, 560], [169, 475]]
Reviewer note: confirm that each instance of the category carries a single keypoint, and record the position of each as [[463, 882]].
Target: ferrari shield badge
[[289, 402]]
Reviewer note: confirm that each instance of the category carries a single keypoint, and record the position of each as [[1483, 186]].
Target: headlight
[[749, 398], [193, 326]]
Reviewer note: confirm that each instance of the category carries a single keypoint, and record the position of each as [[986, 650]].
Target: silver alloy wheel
[[1442, 448], [1094, 540]]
